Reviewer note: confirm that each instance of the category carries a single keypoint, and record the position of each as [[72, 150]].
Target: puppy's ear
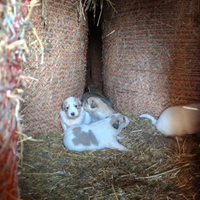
[[116, 124], [84, 103], [93, 104], [78, 101], [87, 89], [62, 106], [81, 105]]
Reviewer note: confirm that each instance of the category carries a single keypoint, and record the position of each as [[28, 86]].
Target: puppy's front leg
[[116, 145], [64, 127], [122, 138]]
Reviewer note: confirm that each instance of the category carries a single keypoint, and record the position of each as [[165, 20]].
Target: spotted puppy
[[97, 109], [72, 113], [98, 135]]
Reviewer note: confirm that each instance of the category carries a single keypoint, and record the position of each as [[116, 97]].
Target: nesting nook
[[143, 55]]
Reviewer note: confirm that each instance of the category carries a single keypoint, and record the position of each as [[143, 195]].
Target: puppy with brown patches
[[178, 120], [87, 94], [72, 113], [98, 135], [97, 109]]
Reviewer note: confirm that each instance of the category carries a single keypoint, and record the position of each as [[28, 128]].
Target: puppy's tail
[[87, 89], [149, 117]]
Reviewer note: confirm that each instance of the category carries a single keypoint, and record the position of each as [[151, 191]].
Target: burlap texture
[[62, 73], [151, 54]]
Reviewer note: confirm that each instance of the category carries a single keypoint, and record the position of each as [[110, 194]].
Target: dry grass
[[88, 5], [151, 171]]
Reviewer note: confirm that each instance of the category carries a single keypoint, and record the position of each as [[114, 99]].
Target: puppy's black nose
[[72, 114]]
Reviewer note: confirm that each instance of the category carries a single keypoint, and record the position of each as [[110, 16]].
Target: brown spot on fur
[[117, 121], [94, 104], [84, 138], [113, 119], [62, 106], [78, 103]]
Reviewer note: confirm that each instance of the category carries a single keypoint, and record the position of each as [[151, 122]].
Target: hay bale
[[151, 54], [59, 69], [14, 19]]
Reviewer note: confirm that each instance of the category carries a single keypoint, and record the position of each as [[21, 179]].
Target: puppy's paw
[[122, 138]]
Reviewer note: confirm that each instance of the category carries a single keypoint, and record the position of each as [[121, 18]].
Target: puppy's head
[[72, 107], [119, 121], [95, 104], [91, 104]]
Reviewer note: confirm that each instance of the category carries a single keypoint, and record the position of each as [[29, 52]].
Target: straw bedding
[[157, 168]]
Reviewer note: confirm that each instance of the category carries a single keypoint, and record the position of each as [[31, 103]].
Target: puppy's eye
[[76, 106], [66, 108], [124, 119]]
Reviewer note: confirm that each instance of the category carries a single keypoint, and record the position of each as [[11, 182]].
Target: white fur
[[149, 117], [178, 120], [104, 132], [97, 109], [74, 115]]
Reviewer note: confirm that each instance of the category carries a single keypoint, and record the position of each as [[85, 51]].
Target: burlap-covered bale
[[14, 26], [151, 54], [62, 72]]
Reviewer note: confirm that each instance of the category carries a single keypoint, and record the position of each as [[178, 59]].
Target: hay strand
[[41, 45]]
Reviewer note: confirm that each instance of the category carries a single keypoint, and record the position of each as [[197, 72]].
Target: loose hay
[[51, 171]]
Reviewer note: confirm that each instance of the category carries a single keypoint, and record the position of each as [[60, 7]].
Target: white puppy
[[97, 109], [178, 120], [72, 113], [98, 135]]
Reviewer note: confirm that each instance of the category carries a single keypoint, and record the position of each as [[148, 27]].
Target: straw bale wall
[[151, 54], [14, 20], [62, 73]]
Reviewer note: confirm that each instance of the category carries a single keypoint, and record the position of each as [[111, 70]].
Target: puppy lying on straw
[[98, 135], [97, 109], [87, 94], [72, 113], [178, 120]]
